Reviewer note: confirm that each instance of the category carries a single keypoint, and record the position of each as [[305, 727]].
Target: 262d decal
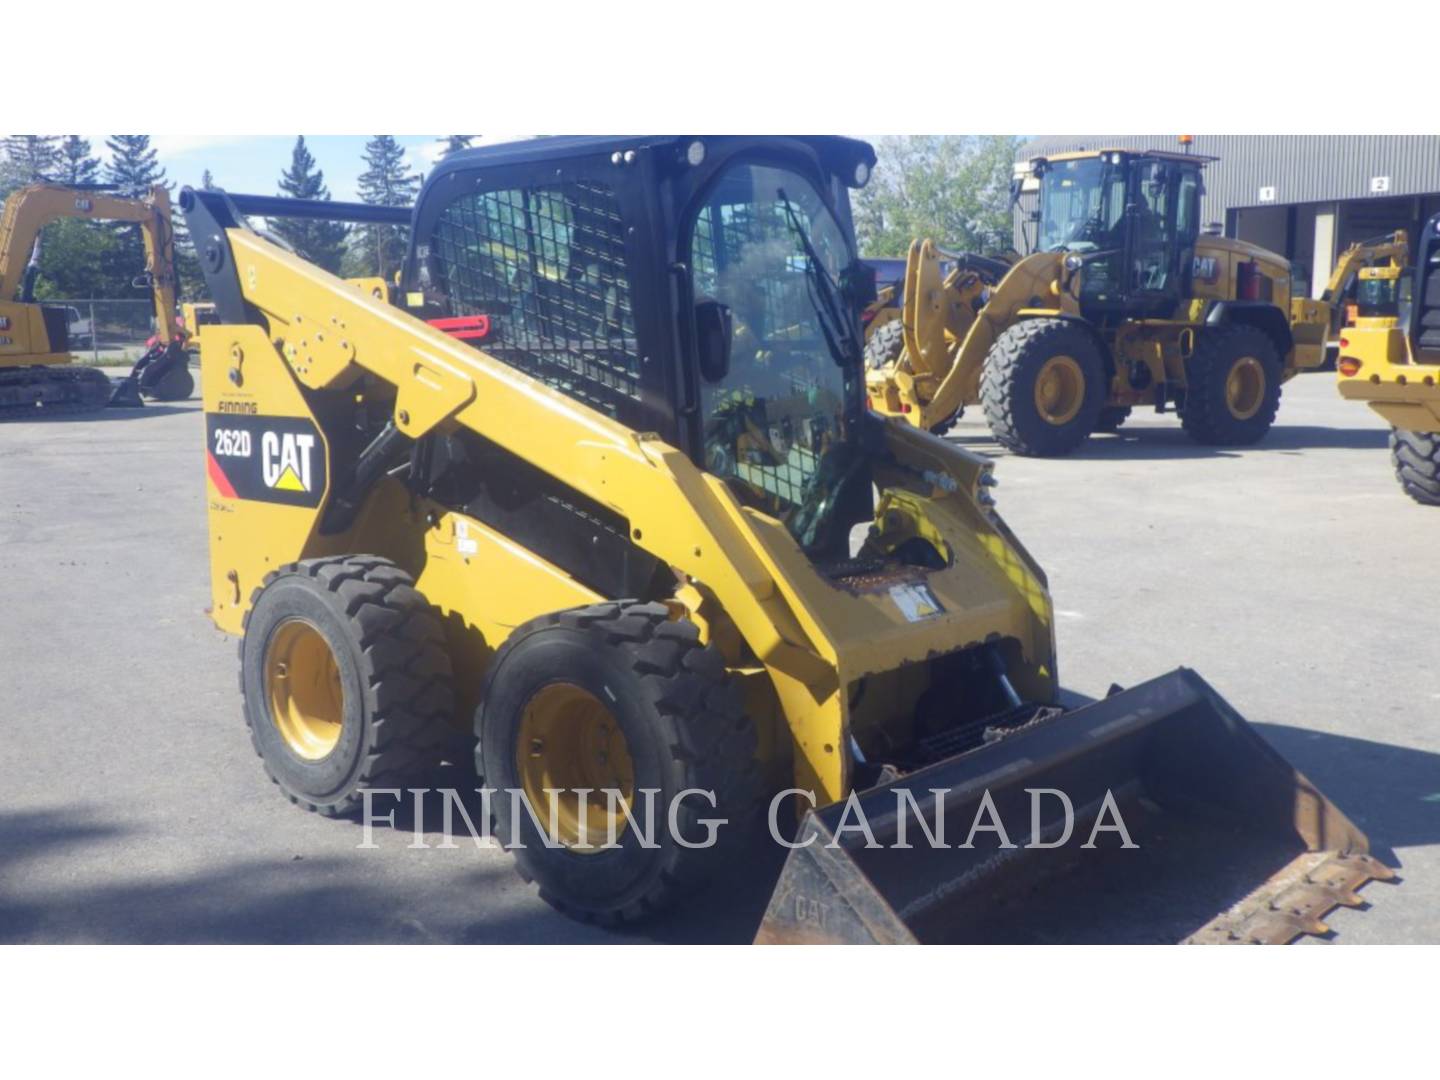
[[275, 459]]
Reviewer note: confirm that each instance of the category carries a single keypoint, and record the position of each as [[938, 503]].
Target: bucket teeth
[[1293, 903]]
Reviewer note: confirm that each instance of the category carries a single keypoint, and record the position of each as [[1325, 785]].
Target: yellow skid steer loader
[[598, 491]]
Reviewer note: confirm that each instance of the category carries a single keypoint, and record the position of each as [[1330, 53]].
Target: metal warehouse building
[[1306, 197]]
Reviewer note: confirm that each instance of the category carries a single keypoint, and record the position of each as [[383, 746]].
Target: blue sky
[[252, 163]]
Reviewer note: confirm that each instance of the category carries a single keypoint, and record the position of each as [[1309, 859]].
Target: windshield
[[1082, 204], [765, 246], [1377, 297]]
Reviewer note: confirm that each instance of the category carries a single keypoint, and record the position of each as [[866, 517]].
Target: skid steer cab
[[1121, 301], [593, 494]]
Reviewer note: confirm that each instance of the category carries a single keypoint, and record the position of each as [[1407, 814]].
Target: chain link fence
[[108, 332]]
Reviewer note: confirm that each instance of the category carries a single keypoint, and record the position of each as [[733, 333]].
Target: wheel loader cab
[[1129, 222]]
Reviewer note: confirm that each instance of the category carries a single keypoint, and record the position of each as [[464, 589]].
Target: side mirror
[[714, 331]]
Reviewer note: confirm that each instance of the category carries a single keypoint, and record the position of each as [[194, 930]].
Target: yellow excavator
[[1390, 359], [1123, 302], [594, 492], [38, 375], [1351, 292]]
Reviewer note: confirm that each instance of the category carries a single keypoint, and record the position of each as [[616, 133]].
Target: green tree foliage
[[457, 142], [386, 181], [207, 180], [74, 255], [134, 166], [26, 159], [32, 157], [321, 242], [77, 165], [954, 189]]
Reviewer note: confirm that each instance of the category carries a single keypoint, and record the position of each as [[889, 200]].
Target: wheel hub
[[302, 685], [569, 741], [1059, 390], [1245, 388]]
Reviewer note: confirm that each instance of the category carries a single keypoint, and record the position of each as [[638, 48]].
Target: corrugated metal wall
[[1301, 168]]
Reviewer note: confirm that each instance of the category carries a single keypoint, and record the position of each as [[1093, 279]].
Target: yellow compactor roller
[[1390, 359], [598, 492]]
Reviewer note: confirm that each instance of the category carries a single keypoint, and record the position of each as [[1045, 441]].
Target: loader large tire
[[1416, 455], [616, 695], [1232, 387], [886, 346], [346, 680], [1042, 387]]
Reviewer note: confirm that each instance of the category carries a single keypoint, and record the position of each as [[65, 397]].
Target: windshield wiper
[[828, 298]]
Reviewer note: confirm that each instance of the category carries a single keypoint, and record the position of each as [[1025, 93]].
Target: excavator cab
[[1129, 220]]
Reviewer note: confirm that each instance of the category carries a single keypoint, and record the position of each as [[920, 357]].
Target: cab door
[[1160, 216]]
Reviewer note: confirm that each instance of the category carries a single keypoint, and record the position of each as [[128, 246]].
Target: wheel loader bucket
[[1185, 825]]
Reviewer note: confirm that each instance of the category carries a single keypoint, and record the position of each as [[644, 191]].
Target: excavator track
[[29, 393]]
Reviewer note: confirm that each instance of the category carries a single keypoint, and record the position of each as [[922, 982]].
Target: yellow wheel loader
[[1123, 303], [38, 375], [1390, 358], [594, 491]]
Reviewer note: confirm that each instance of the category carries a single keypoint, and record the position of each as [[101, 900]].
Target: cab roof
[[834, 150], [1168, 155]]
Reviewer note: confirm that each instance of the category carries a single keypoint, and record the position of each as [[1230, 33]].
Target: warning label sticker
[[916, 602]]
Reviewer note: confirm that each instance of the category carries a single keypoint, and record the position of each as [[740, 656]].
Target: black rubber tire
[[885, 348], [1416, 455], [177, 384], [886, 345], [685, 724], [1007, 386], [1111, 419], [1205, 415], [399, 701]]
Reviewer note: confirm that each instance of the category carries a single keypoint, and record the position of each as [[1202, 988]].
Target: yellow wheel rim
[[1059, 390], [569, 741], [1245, 388], [302, 683]]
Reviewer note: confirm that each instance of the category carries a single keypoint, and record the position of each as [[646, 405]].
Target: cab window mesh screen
[[547, 264]]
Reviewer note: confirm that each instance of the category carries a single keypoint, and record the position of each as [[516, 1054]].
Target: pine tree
[[320, 242], [207, 180], [456, 142], [77, 165], [29, 158], [134, 166], [386, 181]]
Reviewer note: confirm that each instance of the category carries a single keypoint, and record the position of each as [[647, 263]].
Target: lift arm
[[31, 208]]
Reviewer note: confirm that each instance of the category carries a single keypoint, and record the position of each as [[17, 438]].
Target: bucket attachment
[[1185, 825], [126, 394]]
